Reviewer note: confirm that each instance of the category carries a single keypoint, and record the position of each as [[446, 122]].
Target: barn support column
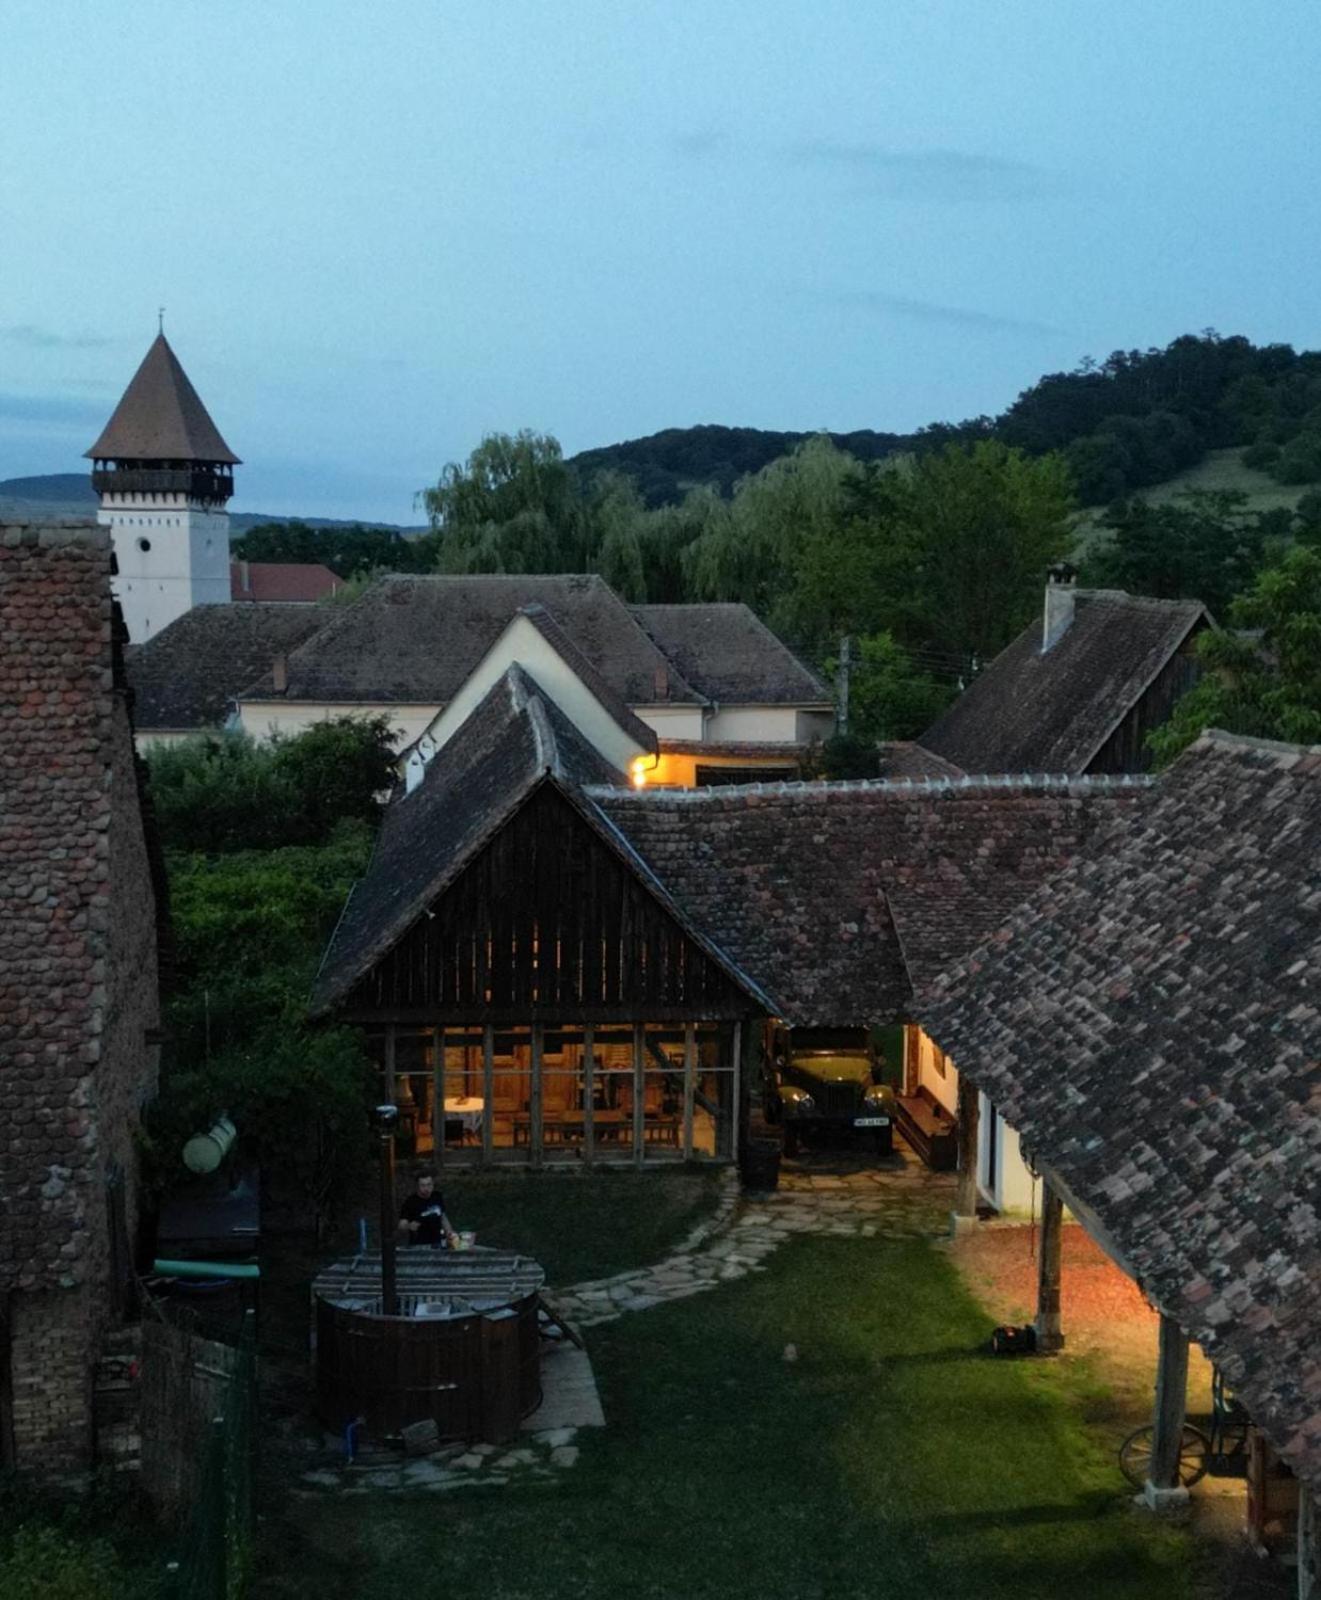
[[438, 1098], [1163, 1489], [488, 1093], [965, 1198], [1050, 1334], [589, 1095], [1309, 1557]]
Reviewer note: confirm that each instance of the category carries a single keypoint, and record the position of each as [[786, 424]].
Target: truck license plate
[[871, 1122]]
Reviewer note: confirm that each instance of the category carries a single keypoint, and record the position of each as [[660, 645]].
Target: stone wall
[[78, 976]]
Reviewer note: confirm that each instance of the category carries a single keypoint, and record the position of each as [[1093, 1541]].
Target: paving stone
[[565, 1456], [471, 1461], [323, 1478]]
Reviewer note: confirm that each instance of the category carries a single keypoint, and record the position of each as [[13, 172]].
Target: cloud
[[32, 337], [50, 409], [932, 311], [935, 174]]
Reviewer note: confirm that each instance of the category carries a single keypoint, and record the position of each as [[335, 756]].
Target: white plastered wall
[[170, 555], [263, 718], [673, 722], [751, 724], [1006, 1183], [523, 644]]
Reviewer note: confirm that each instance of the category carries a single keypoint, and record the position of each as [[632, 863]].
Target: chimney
[[280, 674], [661, 683], [1060, 595]]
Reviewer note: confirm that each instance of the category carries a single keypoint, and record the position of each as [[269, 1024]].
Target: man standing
[[422, 1216]]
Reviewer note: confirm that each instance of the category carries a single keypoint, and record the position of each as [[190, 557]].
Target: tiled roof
[[416, 639], [161, 417], [729, 655], [838, 898], [188, 675], [1052, 712], [515, 738], [1150, 1022], [297, 581]]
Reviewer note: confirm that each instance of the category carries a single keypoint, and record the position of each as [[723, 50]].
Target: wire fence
[[216, 1550]]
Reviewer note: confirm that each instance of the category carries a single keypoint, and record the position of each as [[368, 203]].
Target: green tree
[[889, 698], [1265, 681], [223, 792], [513, 506]]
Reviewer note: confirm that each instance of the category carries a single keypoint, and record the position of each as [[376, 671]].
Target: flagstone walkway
[[822, 1193]]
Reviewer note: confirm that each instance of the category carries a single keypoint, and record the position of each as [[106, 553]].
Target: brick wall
[[78, 984]]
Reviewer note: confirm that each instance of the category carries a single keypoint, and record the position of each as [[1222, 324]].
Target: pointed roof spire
[[161, 417]]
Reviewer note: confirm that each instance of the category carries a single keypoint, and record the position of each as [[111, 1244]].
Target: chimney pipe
[[1060, 597], [661, 682], [280, 674]]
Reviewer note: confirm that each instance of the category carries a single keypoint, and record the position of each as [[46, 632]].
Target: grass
[[101, 1544], [893, 1458]]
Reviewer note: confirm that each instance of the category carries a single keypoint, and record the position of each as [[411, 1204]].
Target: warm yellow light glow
[[639, 771]]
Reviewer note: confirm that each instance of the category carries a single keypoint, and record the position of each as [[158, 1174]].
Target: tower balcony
[[204, 484]]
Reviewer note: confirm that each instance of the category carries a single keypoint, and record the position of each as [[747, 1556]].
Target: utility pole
[[842, 684]]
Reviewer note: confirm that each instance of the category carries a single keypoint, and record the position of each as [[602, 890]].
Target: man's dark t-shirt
[[428, 1214]]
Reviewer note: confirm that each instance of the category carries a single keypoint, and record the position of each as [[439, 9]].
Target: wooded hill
[[1134, 420]]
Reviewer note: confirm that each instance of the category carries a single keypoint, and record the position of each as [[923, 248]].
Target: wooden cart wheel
[[1194, 1455]]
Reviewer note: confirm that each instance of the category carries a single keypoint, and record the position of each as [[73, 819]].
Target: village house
[[723, 695], [551, 963], [1150, 1023], [79, 1006], [1078, 691]]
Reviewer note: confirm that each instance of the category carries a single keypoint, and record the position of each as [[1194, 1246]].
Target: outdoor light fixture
[[639, 772]]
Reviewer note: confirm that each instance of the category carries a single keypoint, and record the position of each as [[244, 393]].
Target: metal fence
[[216, 1548]]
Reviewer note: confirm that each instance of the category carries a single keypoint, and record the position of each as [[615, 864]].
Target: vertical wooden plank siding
[[488, 1091], [438, 1095], [589, 1094], [389, 1063], [736, 1135], [639, 1089], [535, 1137], [689, 1085]]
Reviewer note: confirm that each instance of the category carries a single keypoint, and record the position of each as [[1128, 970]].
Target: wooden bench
[[929, 1128]]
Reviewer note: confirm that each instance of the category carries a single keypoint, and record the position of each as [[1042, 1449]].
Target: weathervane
[[160, 319]]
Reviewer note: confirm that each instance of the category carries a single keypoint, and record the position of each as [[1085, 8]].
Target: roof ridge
[[1155, 601], [1288, 754], [1025, 782]]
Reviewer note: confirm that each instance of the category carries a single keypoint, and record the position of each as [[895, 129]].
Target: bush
[[1300, 460], [1261, 456], [41, 1563], [222, 792]]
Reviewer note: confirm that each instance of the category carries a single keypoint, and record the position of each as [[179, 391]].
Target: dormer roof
[[161, 417]]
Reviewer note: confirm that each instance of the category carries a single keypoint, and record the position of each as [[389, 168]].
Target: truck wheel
[[790, 1139]]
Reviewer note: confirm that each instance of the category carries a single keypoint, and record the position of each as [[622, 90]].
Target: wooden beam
[[689, 1085], [535, 1141], [965, 1201], [736, 1132], [389, 1065], [1163, 1486], [488, 1093], [438, 1096], [589, 1094], [1050, 1335], [639, 1092], [1309, 1557]]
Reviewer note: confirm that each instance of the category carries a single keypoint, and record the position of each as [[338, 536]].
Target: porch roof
[[1150, 1022]]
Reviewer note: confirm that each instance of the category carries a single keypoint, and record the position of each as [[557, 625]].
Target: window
[[144, 545]]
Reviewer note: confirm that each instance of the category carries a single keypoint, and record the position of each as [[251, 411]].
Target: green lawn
[[893, 1459]]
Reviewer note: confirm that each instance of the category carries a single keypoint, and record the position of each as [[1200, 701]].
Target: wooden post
[[1309, 1558], [438, 1096], [535, 1141], [965, 1201], [1163, 1487], [1050, 1336], [639, 1091], [736, 1132], [689, 1086], [589, 1094], [488, 1093], [388, 1097]]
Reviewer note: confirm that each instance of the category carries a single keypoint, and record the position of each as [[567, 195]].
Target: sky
[[381, 231]]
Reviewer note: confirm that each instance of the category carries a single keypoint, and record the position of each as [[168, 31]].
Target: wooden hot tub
[[463, 1352]]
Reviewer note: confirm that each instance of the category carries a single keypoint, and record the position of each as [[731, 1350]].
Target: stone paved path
[[822, 1193]]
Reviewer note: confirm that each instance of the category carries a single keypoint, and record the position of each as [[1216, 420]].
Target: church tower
[[164, 476]]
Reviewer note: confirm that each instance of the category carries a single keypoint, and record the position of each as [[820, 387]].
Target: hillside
[[69, 494], [666, 465]]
